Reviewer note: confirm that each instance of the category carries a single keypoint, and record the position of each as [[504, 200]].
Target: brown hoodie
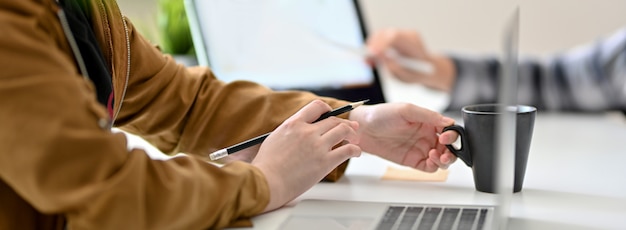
[[61, 165]]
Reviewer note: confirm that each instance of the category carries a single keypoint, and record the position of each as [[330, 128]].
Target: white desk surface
[[575, 179]]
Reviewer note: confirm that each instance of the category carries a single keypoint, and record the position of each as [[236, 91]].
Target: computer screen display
[[315, 45]]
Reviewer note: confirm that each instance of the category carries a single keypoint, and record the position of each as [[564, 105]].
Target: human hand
[[299, 153], [405, 134], [408, 43]]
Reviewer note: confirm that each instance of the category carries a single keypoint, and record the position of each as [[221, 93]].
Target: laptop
[[337, 214], [286, 45]]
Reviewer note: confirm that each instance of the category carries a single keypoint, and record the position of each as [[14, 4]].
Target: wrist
[[276, 190]]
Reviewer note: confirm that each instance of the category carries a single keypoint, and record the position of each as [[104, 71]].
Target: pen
[[258, 140], [411, 63], [414, 64]]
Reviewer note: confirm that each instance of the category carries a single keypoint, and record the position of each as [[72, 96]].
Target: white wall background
[[473, 25], [546, 26]]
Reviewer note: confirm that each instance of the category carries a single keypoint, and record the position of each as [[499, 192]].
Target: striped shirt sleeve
[[591, 77]]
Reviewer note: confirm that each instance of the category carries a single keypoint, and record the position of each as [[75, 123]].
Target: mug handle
[[462, 153]]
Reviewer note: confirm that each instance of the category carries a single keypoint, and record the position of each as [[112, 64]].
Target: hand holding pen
[[258, 140], [303, 150]]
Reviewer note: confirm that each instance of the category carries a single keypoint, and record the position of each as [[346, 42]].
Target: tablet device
[[286, 45]]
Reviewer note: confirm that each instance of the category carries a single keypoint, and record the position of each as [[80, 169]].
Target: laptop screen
[[506, 123], [305, 45]]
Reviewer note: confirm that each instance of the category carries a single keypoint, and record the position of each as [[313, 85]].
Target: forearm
[[180, 109], [61, 161]]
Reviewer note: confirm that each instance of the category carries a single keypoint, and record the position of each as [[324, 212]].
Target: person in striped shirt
[[588, 78]]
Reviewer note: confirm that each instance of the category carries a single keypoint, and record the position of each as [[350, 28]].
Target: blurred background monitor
[[307, 45]]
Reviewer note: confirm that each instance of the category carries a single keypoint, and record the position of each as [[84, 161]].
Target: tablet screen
[[306, 44]]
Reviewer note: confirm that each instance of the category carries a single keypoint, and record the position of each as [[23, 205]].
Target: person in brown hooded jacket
[[71, 70]]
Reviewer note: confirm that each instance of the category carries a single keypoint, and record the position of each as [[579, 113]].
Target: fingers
[[448, 137], [401, 72], [404, 40], [432, 162], [416, 114], [312, 111], [344, 152], [332, 130], [447, 158], [438, 160], [329, 123], [340, 130], [380, 41]]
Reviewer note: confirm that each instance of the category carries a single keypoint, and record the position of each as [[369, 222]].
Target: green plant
[[174, 27]]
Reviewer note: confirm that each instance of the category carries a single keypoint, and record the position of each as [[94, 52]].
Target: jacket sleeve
[[188, 110], [59, 159], [591, 77], [194, 112]]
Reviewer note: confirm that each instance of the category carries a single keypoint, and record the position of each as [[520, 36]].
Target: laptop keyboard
[[420, 217]]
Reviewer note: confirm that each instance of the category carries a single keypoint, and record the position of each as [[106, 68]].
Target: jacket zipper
[[103, 123], [127, 37], [119, 107]]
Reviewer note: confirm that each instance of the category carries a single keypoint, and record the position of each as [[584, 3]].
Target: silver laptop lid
[[506, 128]]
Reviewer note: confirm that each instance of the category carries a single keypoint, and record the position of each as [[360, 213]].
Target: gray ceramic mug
[[478, 146]]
